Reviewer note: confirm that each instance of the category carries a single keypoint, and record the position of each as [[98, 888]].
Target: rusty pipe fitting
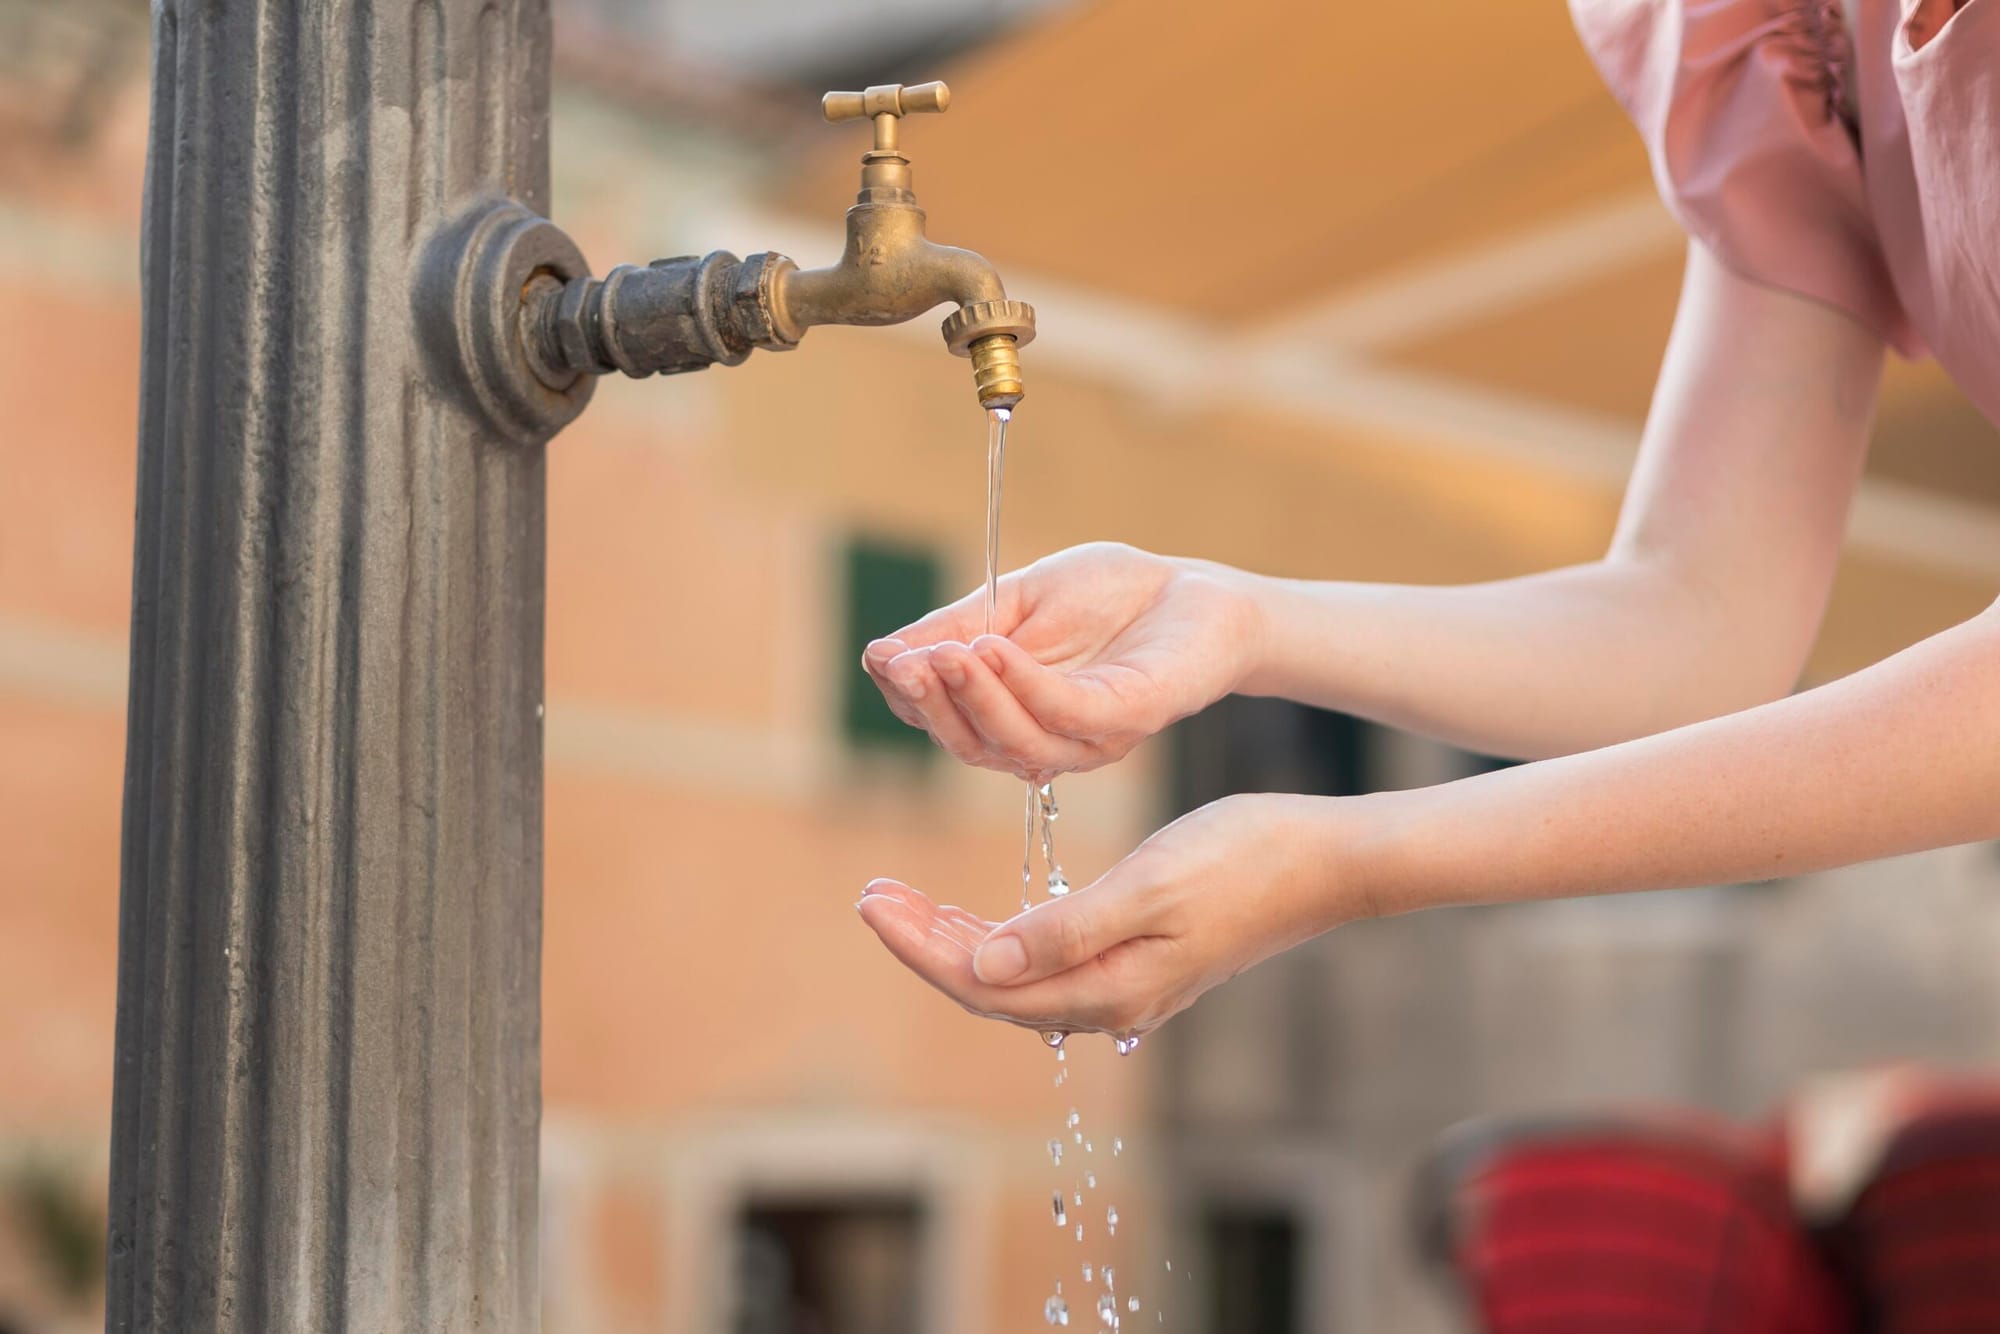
[[670, 317]]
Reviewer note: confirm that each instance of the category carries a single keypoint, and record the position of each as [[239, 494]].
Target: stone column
[[327, 1092]]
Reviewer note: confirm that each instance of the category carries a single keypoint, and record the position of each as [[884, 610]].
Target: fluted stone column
[[327, 1091]]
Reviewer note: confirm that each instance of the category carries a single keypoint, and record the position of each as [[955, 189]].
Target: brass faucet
[[687, 313]]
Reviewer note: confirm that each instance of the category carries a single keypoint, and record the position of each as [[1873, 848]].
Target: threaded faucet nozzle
[[996, 371]]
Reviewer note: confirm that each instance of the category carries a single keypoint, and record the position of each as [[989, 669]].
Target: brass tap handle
[[885, 104]]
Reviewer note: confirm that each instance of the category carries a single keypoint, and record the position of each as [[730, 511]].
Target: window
[[1253, 1271], [845, 1267], [887, 587]]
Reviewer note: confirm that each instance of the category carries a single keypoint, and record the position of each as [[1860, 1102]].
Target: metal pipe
[[327, 1103]]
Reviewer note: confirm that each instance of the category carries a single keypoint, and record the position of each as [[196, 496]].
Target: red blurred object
[[1922, 1239], [1652, 1227]]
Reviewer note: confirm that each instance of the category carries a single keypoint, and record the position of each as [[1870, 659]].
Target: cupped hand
[[1094, 649], [1216, 891]]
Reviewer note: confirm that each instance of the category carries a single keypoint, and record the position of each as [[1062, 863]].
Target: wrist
[[1364, 848], [1246, 620]]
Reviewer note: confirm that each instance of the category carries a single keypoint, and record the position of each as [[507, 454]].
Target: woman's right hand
[[1094, 649]]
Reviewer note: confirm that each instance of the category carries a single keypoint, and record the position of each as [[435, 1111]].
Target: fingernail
[[881, 650], [991, 657], [951, 669], [911, 683], [1000, 960]]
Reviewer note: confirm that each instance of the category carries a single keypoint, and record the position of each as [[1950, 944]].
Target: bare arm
[[1902, 756], [1709, 598], [1707, 601]]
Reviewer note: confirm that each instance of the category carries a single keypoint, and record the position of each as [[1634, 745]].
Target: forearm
[[1714, 586], [1901, 757], [1543, 665]]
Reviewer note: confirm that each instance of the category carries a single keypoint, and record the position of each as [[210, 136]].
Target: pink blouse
[[1861, 170]]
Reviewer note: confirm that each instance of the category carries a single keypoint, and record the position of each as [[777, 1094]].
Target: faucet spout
[[890, 272], [682, 314]]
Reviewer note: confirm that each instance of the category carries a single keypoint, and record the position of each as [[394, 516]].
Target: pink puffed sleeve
[[1739, 104]]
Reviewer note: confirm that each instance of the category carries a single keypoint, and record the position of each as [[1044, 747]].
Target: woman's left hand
[[1220, 889]]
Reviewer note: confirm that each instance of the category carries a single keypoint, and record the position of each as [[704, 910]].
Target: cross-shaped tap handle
[[885, 104]]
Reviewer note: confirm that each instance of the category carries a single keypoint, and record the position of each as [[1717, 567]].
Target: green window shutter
[[887, 587]]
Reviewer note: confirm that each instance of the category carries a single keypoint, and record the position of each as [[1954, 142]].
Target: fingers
[[915, 679], [875, 660], [1011, 734], [1083, 705], [921, 936], [1060, 935]]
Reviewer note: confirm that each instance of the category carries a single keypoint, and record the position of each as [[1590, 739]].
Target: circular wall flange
[[470, 293]]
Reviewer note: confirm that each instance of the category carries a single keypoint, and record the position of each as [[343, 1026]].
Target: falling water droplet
[[1110, 1279], [1078, 1197], [1107, 1308], [1111, 1218], [1079, 1232], [1079, 1137], [1086, 1271], [1058, 886], [1131, 1303], [1087, 1147], [1170, 1266], [1090, 1180], [1054, 1038], [1056, 1311], [1055, 1152], [1117, 1146], [1061, 1217], [1075, 1118]]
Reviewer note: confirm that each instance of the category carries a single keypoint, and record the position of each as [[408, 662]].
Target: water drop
[[1058, 886], [1086, 1271], [1079, 1137], [1056, 1311], [1117, 1146], [1079, 1232], [1055, 1152], [1061, 1217], [1111, 1215], [1107, 1308], [1131, 1303], [1079, 1199], [1075, 1118], [1054, 1038], [1170, 1266], [1090, 1180], [1086, 1145], [1061, 1055], [1110, 1279]]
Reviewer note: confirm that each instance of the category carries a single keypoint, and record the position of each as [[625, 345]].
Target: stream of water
[[1039, 821], [1040, 810]]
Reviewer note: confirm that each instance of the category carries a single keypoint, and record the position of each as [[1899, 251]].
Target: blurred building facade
[[1379, 320]]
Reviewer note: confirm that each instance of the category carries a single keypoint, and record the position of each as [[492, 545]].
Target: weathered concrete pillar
[[328, 1078]]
